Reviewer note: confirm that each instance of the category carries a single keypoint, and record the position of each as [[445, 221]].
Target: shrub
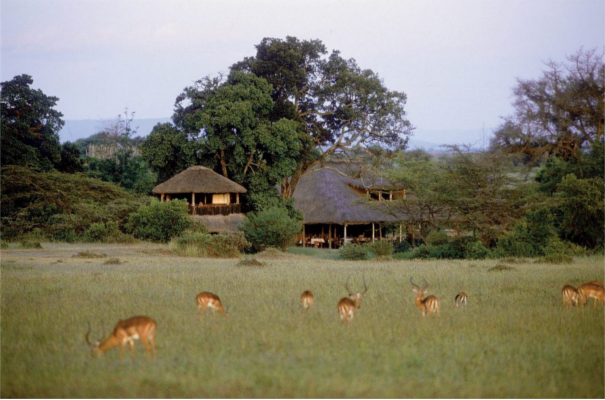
[[354, 252], [500, 268], [227, 245], [436, 238], [197, 226], [477, 251], [401, 247], [195, 244], [251, 262], [191, 244], [271, 227], [89, 254], [159, 222], [381, 248], [558, 252], [30, 244], [529, 237]]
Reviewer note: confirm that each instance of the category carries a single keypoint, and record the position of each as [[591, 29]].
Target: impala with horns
[[209, 300], [126, 332], [430, 304], [306, 300], [348, 305], [460, 299], [570, 295], [592, 289]]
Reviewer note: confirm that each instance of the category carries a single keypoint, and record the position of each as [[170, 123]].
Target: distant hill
[[427, 139]]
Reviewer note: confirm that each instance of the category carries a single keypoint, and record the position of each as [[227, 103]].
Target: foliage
[[529, 236], [60, 206], [197, 226], [250, 262], [168, 151], [128, 171], [558, 252], [159, 221], [355, 252], [339, 107], [70, 162], [381, 248], [271, 227], [230, 119], [117, 132], [30, 125], [196, 244], [560, 113], [436, 238], [401, 247], [477, 251], [106, 232]]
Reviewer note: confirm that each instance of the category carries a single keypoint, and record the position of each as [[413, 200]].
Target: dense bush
[[477, 251], [381, 248], [195, 244], [436, 238], [401, 247], [60, 206], [355, 252], [106, 232], [159, 221], [271, 227], [529, 236]]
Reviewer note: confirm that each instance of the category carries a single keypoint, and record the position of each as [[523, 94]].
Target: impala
[[461, 299], [592, 289], [570, 295], [126, 332], [430, 304], [348, 305], [306, 299], [209, 300]]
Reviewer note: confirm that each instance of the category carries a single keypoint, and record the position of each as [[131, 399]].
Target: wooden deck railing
[[213, 209]]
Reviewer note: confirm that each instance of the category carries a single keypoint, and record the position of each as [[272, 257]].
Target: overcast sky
[[456, 60]]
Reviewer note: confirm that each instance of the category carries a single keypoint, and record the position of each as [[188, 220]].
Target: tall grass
[[514, 339]]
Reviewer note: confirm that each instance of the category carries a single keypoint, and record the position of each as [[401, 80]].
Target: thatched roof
[[198, 179], [221, 223], [326, 196]]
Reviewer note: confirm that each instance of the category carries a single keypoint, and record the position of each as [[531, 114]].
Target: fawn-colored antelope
[[460, 299], [348, 305], [126, 332], [430, 304], [570, 295], [209, 300], [592, 289], [306, 300]]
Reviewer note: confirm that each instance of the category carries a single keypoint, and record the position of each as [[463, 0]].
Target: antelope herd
[[143, 328]]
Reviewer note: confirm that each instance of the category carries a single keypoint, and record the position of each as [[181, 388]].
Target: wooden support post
[[304, 239], [345, 238], [400, 233], [391, 195], [237, 198], [373, 233], [330, 236], [162, 197], [380, 231]]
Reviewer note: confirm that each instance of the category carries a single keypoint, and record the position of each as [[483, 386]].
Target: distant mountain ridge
[[428, 139]]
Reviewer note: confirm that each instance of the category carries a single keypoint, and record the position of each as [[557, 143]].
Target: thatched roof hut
[[198, 179], [328, 196]]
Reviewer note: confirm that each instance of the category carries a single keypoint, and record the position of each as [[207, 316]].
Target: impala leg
[[122, 348], [131, 345], [154, 349], [147, 346]]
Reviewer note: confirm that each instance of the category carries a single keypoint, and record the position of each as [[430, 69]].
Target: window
[[221, 198]]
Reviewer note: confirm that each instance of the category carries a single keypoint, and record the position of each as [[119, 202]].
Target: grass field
[[514, 339]]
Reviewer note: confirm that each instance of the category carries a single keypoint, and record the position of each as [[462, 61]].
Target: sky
[[457, 60]]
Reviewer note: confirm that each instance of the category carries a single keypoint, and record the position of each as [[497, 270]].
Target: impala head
[[95, 345], [356, 296], [417, 289]]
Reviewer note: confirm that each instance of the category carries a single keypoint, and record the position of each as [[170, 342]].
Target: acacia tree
[[338, 106], [560, 113]]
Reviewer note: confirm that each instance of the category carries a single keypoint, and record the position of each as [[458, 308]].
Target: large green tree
[[30, 125], [230, 119], [338, 106]]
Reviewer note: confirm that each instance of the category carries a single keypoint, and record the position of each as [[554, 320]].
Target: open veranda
[[513, 339]]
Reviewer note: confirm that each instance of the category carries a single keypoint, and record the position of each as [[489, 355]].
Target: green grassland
[[514, 339]]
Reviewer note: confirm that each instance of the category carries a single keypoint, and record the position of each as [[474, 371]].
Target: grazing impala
[[348, 305], [430, 304], [126, 332], [570, 296], [209, 300], [306, 299], [592, 289], [461, 299]]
